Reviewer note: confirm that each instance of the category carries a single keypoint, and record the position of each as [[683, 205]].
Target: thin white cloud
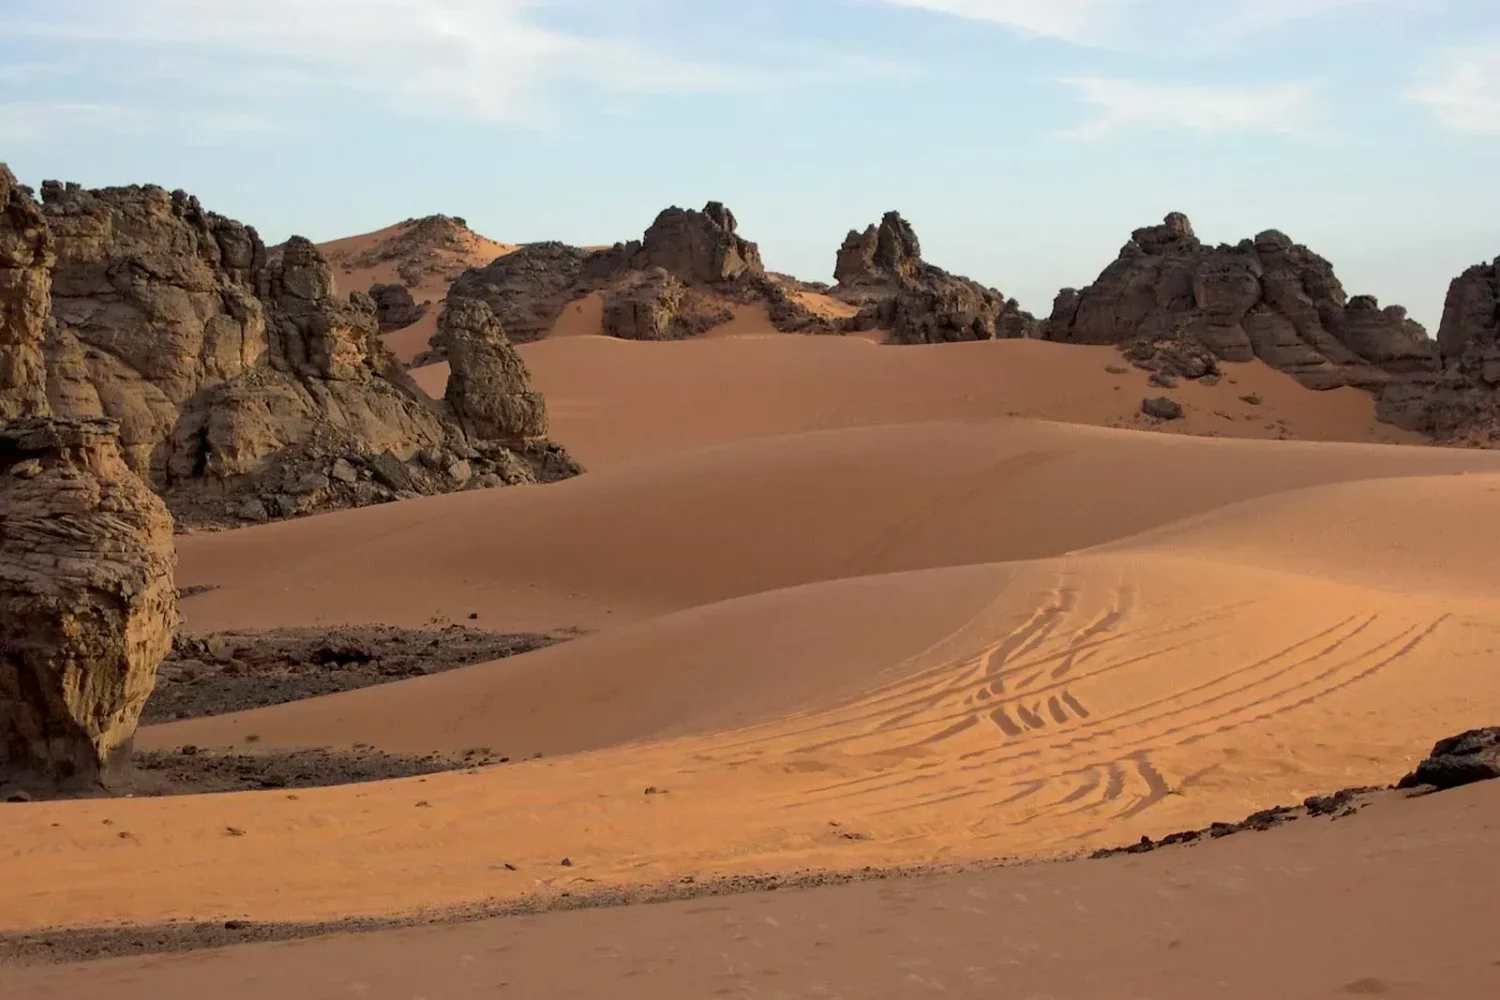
[[1134, 24], [1123, 105], [474, 58], [1083, 22], [1463, 92], [24, 121]]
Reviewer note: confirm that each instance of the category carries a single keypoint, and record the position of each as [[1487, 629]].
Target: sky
[[1024, 139]]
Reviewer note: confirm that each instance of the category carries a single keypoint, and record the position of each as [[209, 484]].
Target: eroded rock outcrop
[[699, 247], [656, 305], [489, 389], [1461, 402], [1168, 297], [881, 270], [395, 307], [88, 605], [25, 300], [683, 277], [245, 387]]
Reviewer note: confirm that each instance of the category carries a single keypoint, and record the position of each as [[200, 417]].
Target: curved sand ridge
[[886, 643]]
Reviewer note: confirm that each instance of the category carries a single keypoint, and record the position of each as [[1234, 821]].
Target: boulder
[[489, 390], [88, 606], [395, 309], [1459, 760], [26, 255], [1266, 298], [881, 270], [1162, 408], [528, 289]]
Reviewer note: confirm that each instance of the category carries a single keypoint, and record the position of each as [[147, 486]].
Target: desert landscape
[[423, 615]]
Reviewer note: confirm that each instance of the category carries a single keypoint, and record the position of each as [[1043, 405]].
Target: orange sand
[[837, 589]]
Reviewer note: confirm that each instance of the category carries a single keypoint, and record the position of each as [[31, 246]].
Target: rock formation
[[489, 389], [1461, 402], [699, 247], [528, 289], [881, 270], [656, 305], [1171, 301], [87, 600], [680, 279], [395, 308], [1458, 760], [243, 387], [25, 260]]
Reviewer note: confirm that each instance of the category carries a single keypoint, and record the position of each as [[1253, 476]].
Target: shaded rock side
[[489, 389], [882, 272], [699, 247], [1459, 760], [395, 308], [1461, 402], [527, 290], [655, 305], [707, 266], [26, 257], [88, 606], [1266, 298]]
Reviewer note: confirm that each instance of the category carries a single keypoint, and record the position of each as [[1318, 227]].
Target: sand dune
[[614, 401], [1358, 907], [656, 536], [849, 612]]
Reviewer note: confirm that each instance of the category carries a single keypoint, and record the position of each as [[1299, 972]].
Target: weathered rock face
[[153, 299], [881, 254], [1268, 298], [679, 280], [655, 305], [395, 308], [1462, 401], [245, 388], [528, 289], [88, 605], [25, 299], [881, 270], [699, 247], [489, 389]]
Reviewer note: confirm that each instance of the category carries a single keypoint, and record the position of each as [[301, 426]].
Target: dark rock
[[26, 255], [1268, 298], [882, 272], [658, 306], [1162, 408], [395, 308], [1459, 760]]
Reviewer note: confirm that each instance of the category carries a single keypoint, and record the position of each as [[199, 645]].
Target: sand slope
[[849, 612], [1359, 907]]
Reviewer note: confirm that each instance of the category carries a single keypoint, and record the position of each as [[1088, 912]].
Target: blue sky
[[1023, 138]]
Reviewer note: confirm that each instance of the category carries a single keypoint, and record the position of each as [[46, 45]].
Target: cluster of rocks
[[395, 307], [691, 268], [1177, 305], [244, 385], [1461, 400], [881, 271]]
